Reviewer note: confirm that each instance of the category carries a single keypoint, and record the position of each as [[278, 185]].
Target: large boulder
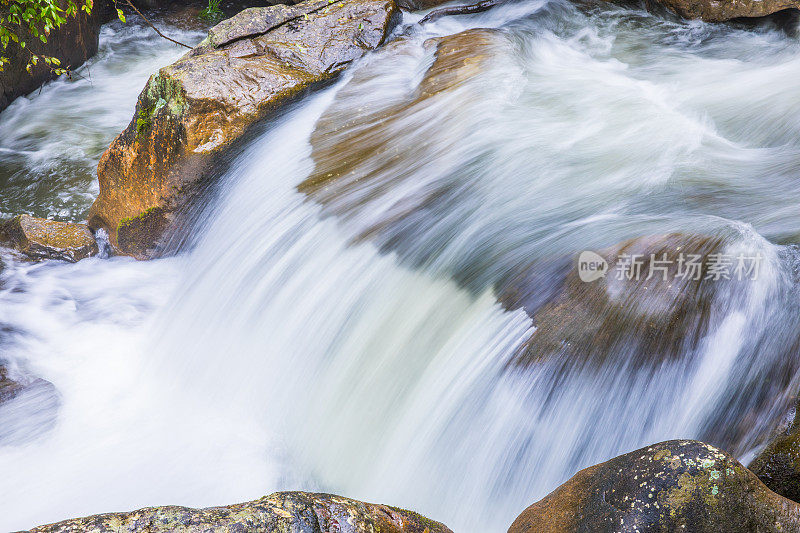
[[672, 486], [73, 43], [723, 10], [192, 110], [645, 318], [778, 465], [40, 238], [279, 512]]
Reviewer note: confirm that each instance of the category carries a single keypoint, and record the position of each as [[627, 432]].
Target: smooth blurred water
[[351, 341]]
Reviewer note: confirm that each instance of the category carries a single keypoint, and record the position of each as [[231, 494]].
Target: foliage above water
[[35, 19]]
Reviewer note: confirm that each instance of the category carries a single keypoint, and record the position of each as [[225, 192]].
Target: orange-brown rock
[[40, 238], [279, 512], [723, 10], [193, 110], [667, 487]]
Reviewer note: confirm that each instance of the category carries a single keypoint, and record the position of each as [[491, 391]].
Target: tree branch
[[152, 26]]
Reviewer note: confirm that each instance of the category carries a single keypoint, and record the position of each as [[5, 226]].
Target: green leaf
[[121, 15]]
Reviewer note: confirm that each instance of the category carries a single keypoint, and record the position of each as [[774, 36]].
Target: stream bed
[[352, 339]]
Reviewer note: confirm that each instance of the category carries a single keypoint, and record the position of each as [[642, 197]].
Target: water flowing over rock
[[647, 318], [355, 150], [194, 109], [33, 400], [282, 511], [778, 465], [721, 11], [416, 5], [676, 485], [40, 238]]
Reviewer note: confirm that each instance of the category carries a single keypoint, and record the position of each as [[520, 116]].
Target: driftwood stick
[[480, 7], [152, 26]]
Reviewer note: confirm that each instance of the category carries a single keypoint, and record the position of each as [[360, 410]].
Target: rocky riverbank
[[279, 512], [671, 486]]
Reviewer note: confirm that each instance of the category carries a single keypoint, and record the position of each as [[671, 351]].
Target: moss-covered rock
[[40, 238], [194, 109], [282, 512], [778, 465], [672, 486]]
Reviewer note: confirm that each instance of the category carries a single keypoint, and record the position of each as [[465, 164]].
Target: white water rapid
[[284, 350]]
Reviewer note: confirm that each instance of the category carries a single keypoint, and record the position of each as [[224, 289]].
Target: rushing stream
[[352, 340]]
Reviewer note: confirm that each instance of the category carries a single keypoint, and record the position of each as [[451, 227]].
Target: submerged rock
[[645, 318], [192, 110], [672, 486], [282, 511], [28, 406], [355, 147], [778, 465], [720, 11], [9, 388], [40, 238]]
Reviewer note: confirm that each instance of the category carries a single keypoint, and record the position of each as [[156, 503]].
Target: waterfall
[[355, 344]]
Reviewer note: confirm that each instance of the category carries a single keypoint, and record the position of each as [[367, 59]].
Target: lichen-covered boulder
[[40, 238], [192, 110], [677, 485], [647, 318], [723, 10], [279, 512], [778, 465]]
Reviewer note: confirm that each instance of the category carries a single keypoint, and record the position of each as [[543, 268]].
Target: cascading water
[[350, 338]]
